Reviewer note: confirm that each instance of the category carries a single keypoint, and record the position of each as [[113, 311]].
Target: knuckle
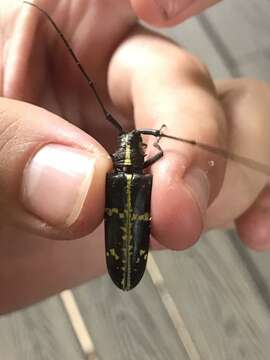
[[192, 64], [194, 72]]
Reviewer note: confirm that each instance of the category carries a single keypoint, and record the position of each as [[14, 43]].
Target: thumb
[[169, 12], [52, 174]]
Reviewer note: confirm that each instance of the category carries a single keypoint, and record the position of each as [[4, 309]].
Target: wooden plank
[[128, 325], [232, 38], [42, 331], [239, 30], [258, 264], [192, 37], [243, 26], [218, 300], [171, 308], [78, 324]]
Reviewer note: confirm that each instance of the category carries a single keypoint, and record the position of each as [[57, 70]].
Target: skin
[[169, 12], [34, 68]]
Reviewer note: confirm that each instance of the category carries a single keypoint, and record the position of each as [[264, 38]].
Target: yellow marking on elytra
[[142, 252], [127, 160], [114, 254], [114, 211], [141, 217], [111, 211], [127, 236]]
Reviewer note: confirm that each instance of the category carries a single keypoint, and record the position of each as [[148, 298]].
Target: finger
[[163, 84], [51, 173], [254, 225], [169, 12], [246, 104], [155, 245]]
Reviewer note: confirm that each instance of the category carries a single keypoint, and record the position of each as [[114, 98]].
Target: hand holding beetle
[[53, 173]]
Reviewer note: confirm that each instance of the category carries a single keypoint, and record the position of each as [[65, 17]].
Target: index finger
[[166, 85], [169, 12]]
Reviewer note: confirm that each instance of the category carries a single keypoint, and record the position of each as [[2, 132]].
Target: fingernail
[[197, 182], [171, 8], [56, 182]]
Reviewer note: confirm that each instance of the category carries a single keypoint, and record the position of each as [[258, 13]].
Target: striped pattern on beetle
[[127, 213]]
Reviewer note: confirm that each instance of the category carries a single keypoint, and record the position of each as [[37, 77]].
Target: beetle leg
[[153, 132], [144, 145], [158, 135], [156, 157]]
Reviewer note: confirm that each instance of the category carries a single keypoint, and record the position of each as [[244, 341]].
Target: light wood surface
[[40, 332]]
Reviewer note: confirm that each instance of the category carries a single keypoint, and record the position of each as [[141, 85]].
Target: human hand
[[148, 77], [169, 12]]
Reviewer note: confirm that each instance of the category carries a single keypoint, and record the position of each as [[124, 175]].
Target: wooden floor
[[211, 302]]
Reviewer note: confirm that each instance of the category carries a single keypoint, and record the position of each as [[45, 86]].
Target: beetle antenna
[[90, 82], [250, 163]]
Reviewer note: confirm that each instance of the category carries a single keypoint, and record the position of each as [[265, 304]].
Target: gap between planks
[[82, 333], [78, 325], [171, 309]]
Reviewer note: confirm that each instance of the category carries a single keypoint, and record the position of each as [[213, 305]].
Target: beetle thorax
[[129, 156]]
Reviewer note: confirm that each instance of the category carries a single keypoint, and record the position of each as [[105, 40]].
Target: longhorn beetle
[[128, 190]]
